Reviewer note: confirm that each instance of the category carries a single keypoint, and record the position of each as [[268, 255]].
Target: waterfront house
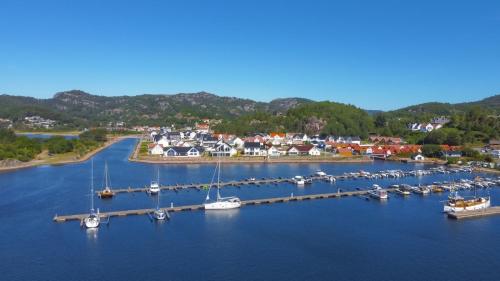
[[155, 149], [252, 149], [273, 152], [181, 151], [223, 149], [303, 150]]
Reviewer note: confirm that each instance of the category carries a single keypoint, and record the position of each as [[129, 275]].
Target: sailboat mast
[[218, 180], [158, 175], [92, 186], [106, 173]]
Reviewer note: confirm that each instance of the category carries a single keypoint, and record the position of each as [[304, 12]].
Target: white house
[[252, 149], [181, 151], [223, 149], [273, 152], [156, 149], [304, 150]]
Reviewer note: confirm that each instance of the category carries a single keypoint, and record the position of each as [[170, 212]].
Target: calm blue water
[[46, 136], [332, 239]]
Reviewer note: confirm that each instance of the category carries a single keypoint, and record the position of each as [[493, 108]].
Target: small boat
[[158, 213], [457, 203], [154, 187], [93, 219], [378, 193], [222, 203], [422, 190], [299, 180], [437, 189], [331, 178], [402, 190], [106, 192], [320, 173]]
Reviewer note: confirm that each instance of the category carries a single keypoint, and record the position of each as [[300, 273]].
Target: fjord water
[[330, 239]]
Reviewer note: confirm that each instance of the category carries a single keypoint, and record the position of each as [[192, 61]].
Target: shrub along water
[[25, 149]]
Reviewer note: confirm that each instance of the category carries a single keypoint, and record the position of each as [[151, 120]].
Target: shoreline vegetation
[[18, 151], [68, 158]]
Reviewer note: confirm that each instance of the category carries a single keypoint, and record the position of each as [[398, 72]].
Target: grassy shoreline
[[62, 159]]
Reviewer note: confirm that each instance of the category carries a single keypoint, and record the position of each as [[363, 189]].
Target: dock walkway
[[123, 213]]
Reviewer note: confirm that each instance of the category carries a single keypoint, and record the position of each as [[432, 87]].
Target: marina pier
[[79, 217], [280, 180]]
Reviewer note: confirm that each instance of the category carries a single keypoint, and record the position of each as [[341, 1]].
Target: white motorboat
[[154, 186], [299, 180], [93, 219], [457, 203], [320, 173], [378, 193], [221, 203]]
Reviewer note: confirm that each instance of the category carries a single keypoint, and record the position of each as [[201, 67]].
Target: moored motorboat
[[299, 180], [457, 203], [320, 173], [154, 186], [378, 193]]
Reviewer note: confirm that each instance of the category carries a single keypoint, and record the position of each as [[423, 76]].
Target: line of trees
[[25, 149]]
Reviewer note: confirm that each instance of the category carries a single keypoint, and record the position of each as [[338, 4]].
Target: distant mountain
[[435, 108], [78, 108], [81, 108]]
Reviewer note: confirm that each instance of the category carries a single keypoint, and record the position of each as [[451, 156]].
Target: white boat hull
[[480, 206], [222, 205], [378, 195], [92, 222]]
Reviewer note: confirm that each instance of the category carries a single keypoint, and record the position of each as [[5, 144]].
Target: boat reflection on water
[[92, 233], [216, 215]]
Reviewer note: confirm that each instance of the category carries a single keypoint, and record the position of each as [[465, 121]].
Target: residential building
[[181, 151], [252, 149]]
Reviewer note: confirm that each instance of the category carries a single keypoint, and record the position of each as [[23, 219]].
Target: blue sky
[[374, 54]]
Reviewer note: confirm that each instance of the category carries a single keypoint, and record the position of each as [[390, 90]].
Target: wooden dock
[[200, 186], [475, 214], [124, 213]]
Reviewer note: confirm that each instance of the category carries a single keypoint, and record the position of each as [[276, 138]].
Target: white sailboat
[[93, 219], [158, 213], [154, 187], [106, 192], [222, 203]]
